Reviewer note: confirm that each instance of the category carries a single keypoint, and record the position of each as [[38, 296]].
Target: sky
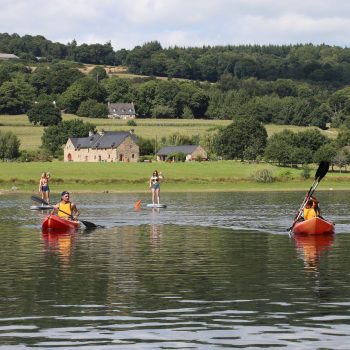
[[184, 23]]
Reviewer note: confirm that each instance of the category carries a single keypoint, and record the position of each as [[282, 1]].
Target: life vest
[[66, 207], [309, 213]]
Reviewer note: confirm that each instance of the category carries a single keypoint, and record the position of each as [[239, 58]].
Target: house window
[[133, 156]]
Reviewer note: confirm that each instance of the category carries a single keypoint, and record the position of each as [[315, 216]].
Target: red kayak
[[314, 226], [55, 222]]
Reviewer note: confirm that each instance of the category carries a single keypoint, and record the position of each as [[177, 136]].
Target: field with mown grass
[[30, 136], [185, 177]]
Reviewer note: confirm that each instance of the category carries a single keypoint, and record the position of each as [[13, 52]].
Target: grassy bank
[[133, 177]]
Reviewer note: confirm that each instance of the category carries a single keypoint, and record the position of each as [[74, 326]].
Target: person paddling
[[65, 208], [311, 209]]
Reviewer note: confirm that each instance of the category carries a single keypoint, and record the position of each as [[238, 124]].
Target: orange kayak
[[55, 222], [314, 226]]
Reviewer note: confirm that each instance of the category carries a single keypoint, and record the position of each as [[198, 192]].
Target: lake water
[[211, 271]]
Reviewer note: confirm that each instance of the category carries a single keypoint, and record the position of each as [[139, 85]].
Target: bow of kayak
[[314, 226], [55, 222]]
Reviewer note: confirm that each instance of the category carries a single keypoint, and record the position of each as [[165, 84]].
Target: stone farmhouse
[[192, 152], [121, 110], [103, 147]]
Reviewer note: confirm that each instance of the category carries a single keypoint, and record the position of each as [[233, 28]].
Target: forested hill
[[320, 64]]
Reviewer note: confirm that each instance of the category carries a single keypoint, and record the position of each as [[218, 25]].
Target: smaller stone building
[[121, 110], [192, 152], [103, 147]]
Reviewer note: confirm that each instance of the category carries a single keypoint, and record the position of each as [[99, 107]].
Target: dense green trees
[[9, 145], [244, 138], [54, 137], [44, 113], [92, 109], [81, 90], [16, 96]]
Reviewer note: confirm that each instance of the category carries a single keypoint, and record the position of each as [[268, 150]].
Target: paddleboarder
[[44, 188], [154, 184]]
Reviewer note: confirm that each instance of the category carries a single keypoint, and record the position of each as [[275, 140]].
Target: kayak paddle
[[88, 224], [319, 175]]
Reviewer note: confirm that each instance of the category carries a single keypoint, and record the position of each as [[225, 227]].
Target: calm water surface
[[212, 271]]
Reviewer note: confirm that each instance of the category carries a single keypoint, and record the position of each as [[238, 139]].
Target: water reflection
[[155, 234], [61, 244], [311, 247]]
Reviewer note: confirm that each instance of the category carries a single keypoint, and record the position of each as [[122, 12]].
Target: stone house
[[103, 147], [121, 110], [192, 152]]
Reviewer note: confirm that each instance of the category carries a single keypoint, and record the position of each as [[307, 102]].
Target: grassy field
[[133, 177], [30, 136]]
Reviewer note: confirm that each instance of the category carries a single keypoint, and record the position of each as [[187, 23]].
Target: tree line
[[303, 85], [315, 63], [282, 101]]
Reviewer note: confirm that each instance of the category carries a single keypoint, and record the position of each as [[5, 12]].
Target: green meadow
[[30, 136], [130, 177], [184, 177]]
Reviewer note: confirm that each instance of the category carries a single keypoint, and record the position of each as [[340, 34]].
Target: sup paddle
[[321, 172], [88, 224]]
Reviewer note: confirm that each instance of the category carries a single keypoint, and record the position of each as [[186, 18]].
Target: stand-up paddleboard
[[41, 207], [156, 205]]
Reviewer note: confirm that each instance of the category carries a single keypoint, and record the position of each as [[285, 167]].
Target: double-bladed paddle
[[88, 224], [319, 175]]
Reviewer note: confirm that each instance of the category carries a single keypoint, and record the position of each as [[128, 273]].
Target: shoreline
[[179, 190]]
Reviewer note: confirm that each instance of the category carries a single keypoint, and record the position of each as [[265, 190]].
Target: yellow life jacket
[[66, 207], [309, 213]]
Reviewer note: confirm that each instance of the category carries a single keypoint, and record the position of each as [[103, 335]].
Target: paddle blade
[[138, 204], [38, 200], [322, 170], [89, 224]]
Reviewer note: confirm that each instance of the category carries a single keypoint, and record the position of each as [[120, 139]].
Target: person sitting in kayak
[[65, 208], [311, 209]]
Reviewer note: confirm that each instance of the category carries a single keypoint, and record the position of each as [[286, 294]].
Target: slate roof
[[121, 108], [7, 56], [108, 139], [186, 149]]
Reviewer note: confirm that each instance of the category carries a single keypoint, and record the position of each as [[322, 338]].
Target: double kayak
[[57, 223], [314, 226]]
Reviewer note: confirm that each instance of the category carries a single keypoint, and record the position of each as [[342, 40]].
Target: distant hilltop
[[312, 63]]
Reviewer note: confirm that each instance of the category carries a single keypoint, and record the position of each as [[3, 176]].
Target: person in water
[[311, 209], [65, 208], [44, 188], [154, 184]]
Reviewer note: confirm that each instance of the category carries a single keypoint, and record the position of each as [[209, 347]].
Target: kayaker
[[311, 209], [154, 184], [44, 188], [65, 208]]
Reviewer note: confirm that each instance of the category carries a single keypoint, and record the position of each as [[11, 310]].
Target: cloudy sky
[[127, 23]]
